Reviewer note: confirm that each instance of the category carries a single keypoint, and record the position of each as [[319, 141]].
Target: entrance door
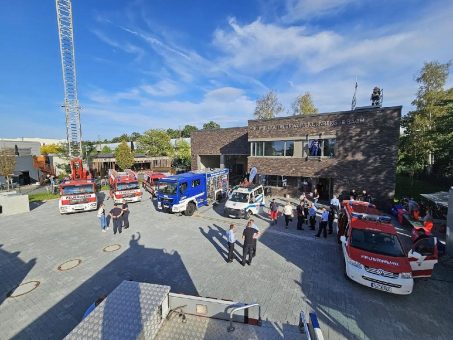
[[325, 188]]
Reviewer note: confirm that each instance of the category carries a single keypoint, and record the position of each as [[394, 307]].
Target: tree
[[155, 142], [211, 125], [119, 139], [268, 106], [50, 149], [124, 156], [106, 149], [187, 130], [183, 156], [174, 133], [134, 136], [424, 126], [303, 105], [7, 164]]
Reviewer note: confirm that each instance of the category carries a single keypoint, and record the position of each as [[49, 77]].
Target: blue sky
[[161, 64]]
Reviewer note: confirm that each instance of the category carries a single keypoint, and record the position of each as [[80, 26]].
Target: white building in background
[[42, 141]]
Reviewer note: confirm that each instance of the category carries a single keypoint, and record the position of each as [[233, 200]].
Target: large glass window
[[289, 148], [319, 148], [275, 148], [329, 147], [272, 148]]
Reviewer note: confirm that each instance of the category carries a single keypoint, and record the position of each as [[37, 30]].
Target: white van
[[245, 201]]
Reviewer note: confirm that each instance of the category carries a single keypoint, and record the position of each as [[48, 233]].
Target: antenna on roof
[[354, 98]]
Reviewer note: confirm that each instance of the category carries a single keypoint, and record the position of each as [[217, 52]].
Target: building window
[[272, 148], [319, 148], [289, 148], [275, 148]]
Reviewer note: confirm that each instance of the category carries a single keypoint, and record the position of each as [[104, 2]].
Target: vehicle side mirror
[[343, 239]]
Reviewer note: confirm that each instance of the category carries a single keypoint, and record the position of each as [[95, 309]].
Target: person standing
[[331, 219], [323, 223], [115, 216], [255, 240], [300, 216], [247, 249], [306, 210], [231, 241], [353, 194], [335, 204], [274, 211], [101, 217], [288, 212], [315, 196], [312, 216], [125, 216]]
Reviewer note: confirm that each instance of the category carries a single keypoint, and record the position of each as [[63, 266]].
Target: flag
[[354, 98]]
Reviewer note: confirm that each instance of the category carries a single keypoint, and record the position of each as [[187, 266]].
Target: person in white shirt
[[231, 241], [288, 212], [101, 217], [335, 204]]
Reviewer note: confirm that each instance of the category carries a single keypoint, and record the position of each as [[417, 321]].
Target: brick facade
[[365, 152], [230, 141]]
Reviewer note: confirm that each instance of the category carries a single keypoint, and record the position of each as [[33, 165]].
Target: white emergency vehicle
[[245, 201]]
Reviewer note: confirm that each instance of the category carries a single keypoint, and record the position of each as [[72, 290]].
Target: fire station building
[[333, 152]]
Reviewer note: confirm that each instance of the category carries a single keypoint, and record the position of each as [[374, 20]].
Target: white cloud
[[307, 9], [162, 88], [125, 47]]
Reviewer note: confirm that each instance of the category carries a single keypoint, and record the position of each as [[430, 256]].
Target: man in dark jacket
[[115, 215], [300, 216], [248, 236]]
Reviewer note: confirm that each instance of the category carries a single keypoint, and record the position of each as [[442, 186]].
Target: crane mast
[[71, 103]]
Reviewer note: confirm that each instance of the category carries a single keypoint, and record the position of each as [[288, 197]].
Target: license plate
[[381, 287], [231, 215], [159, 205]]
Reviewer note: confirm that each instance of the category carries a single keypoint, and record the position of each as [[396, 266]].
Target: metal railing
[[231, 327]]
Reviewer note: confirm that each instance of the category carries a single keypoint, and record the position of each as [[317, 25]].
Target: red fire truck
[[151, 181], [124, 186], [78, 193], [373, 254]]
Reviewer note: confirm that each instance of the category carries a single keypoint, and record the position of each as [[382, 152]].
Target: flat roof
[[358, 110]]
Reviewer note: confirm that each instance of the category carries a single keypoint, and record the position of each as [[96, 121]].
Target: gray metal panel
[[131, 311]]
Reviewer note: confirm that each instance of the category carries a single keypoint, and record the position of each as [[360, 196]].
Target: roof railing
[[231, 327]]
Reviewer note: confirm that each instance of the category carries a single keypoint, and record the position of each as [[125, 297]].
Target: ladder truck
[[124, 186], [79, 193]]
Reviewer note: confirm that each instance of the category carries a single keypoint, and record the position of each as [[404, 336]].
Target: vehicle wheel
[[190, 209], [248, 214]]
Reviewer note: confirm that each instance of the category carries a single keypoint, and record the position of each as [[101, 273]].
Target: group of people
[[119, 215], [249, 237], [306, 214], [363, 196]]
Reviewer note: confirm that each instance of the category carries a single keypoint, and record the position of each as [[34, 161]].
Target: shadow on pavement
[[137, 263], [12, 271]]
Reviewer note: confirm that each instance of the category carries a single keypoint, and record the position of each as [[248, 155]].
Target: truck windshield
[[239, 197], [168, 188], [377, 242], [127, 186], [78, 189]]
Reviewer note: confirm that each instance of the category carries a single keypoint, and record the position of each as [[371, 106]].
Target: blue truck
[[186, 192]]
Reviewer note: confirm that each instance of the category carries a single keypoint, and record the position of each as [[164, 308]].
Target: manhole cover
[[23, 289], [69, 265], [112, 247]]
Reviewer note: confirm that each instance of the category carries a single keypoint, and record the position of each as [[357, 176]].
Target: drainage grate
[[68, 265], [112, 247], [23, 288]]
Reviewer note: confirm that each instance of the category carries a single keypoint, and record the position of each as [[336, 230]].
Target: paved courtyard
[[293, 271]]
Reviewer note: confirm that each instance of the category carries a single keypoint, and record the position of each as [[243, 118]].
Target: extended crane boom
[[71, 103]]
